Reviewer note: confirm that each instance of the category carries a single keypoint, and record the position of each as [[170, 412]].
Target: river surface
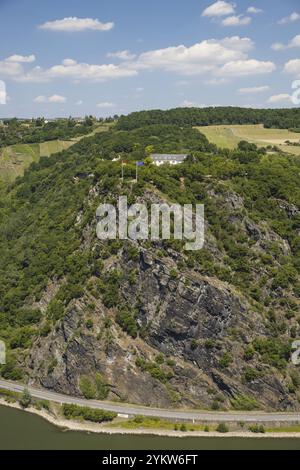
[[21, 430]]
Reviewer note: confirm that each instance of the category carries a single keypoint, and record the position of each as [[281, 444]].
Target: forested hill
[[270, 118], [13, 131], [149, 322]]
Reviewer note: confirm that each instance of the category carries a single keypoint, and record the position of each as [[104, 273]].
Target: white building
[[171, 158]]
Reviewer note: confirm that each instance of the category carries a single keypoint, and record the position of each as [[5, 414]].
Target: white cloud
[[278, 46], [3, 95], [57, 99], [293, 67], [50, 99], [106, 105], [219, 8], [253, 90], [123, 55], [69, 68], [40, 99], [69, 62], [79, 103], [254, 10], [282, 98], [191, 104], [219, 58], [21, 58], [74, 24], [236, 20], [200, 58], [295, 42], [10, 69], [242, 68], [290, 19]]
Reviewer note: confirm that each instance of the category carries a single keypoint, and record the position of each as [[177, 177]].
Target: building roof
[[178, 157]]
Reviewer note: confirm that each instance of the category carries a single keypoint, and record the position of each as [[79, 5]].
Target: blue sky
[[64, 57]]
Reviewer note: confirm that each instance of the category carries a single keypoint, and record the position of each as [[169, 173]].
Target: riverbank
[[71, 425]]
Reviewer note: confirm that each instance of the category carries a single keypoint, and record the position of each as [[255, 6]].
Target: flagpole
[[136, 174]]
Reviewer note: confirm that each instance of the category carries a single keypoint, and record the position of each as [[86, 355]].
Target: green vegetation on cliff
[[53, 262]]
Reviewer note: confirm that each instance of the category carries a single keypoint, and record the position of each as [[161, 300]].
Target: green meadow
[[228, 136]]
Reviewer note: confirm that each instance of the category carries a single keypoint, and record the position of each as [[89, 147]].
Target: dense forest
[[47, 238], [13, 131], [270, 118]]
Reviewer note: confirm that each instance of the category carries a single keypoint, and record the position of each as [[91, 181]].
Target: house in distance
[[171, 158]]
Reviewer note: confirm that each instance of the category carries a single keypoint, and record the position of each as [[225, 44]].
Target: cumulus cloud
[[219, 8], [219, 58], [281, 98], [21, 58], [74, 24], [191, 104], [236, 20], [295, 42], [254, 10], [253, 90], [3, 95], [200, 58], [242, 68], [290, 19], [10, 69], [50, 99], [122, 55], [293, 67], [106, 105], [71, 69]]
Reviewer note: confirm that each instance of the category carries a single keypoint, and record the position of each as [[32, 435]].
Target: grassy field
[[16, 158], [229, 136]]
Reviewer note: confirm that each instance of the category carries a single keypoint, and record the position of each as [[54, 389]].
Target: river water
[[21, 430]]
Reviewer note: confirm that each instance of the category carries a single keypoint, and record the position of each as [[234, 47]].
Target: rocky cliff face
[[190, 350]]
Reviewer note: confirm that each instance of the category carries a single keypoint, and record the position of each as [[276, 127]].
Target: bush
[[250, 374], [225, 360], [255, 428], [93, 387], [222, 428], [87, 388], [273, 351], [25, 399], [89, 324], [88, 414], [244, 403], [127, 321]]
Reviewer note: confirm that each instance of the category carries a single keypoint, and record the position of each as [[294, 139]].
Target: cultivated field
[[16, 158], [229, 136]]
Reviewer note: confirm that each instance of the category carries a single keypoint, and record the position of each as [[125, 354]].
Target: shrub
[[222, 428], [225, 360], [87, 388], [88, 414], [89, 324], [250, 374], [255, 428], [25, 399], [244, 403], [249, 352], [273, 351], [127, 321]]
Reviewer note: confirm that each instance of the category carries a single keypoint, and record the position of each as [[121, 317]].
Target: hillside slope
[[149, 322]]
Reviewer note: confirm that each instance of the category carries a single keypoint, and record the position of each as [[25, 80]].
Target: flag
[[140, 163]]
